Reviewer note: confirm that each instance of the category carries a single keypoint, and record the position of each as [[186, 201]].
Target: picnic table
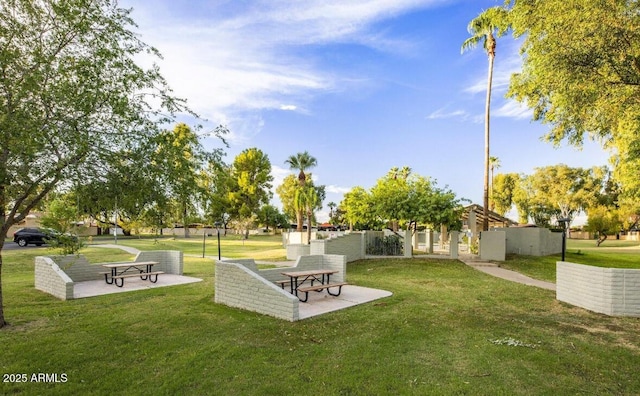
[[119, 271], [298, 278]]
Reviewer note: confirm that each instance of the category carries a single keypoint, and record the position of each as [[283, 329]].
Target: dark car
[[34, 236]]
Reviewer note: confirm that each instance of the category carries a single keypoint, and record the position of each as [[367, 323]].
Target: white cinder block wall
[[240, 284], [611, 291], [352, 246], [56, 275]]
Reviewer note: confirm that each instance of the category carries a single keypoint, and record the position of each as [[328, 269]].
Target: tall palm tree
[[306, 199], [302, 162], [490, 24], [332, 206], [494, 163]]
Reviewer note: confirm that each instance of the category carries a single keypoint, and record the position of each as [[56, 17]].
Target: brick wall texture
[[240, 284], [56, 275], [611, 291], [351, 246]]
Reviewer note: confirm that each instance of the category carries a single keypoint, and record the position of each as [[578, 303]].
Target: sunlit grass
[[262, 247], [611, 254], [447, 329]]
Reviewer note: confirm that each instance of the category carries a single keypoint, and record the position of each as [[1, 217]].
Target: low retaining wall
[[296, 250], [351, 245], [611, 291], [57, 275], [240, 284]]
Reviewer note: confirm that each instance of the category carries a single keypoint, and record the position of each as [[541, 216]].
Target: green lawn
[[612, 253], [260, 247], [448, 329]]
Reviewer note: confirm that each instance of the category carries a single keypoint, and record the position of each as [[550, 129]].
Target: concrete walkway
[[494, 270], [121, 247]]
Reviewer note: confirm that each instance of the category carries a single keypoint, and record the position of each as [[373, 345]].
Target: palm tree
[[485, 28], [306, 200], [302, 162], [494, 163], [332, 206]]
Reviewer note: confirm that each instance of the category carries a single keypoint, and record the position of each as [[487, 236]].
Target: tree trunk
[[299, 220], [485, 209], [184, 221], [2, 321], [309, 227]]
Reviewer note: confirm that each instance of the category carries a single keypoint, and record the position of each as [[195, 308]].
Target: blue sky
[[363, 85]]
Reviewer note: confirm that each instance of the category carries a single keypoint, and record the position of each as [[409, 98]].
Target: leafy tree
[[391, 197], [269, 215], [490, 24], [128, 184], [250, 183], [402, 198], [494, 163], [182, 160], [287, 193], [302, 162], [216, 183], [502, 190], [580, 74], [558, 191], [358, 209], [71, 94], [61, 215], [604, 222]]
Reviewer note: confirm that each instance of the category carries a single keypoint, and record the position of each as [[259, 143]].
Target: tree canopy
[[402, 198], [250, 186], [71, 95], [581, 74]]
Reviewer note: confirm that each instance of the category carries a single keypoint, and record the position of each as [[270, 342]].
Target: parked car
[[34, 236]]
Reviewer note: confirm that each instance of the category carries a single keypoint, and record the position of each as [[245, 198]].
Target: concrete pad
[[100, 287], [321, 302]]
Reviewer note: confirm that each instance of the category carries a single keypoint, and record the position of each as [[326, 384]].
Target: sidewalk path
[[113, 246], [494, 270]]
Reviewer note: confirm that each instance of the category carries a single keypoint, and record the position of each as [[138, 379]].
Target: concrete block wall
[[532, 241], [239, 287], [610, 291], [493, 245], [352, 246], [169, 261], [296, 250], [75, 268], [240, 284], [50, 278]]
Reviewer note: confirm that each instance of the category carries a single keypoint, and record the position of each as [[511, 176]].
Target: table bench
[[143, 268], [321, 287], [298, 278]]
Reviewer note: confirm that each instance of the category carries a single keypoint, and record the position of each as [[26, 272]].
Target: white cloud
[[278, 173], [504, 67], [230, 59], [336, 189], [513, 109], [442, 113]]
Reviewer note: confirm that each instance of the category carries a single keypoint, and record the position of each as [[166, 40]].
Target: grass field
[[262, 247], [447, 329], [612, 253]]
